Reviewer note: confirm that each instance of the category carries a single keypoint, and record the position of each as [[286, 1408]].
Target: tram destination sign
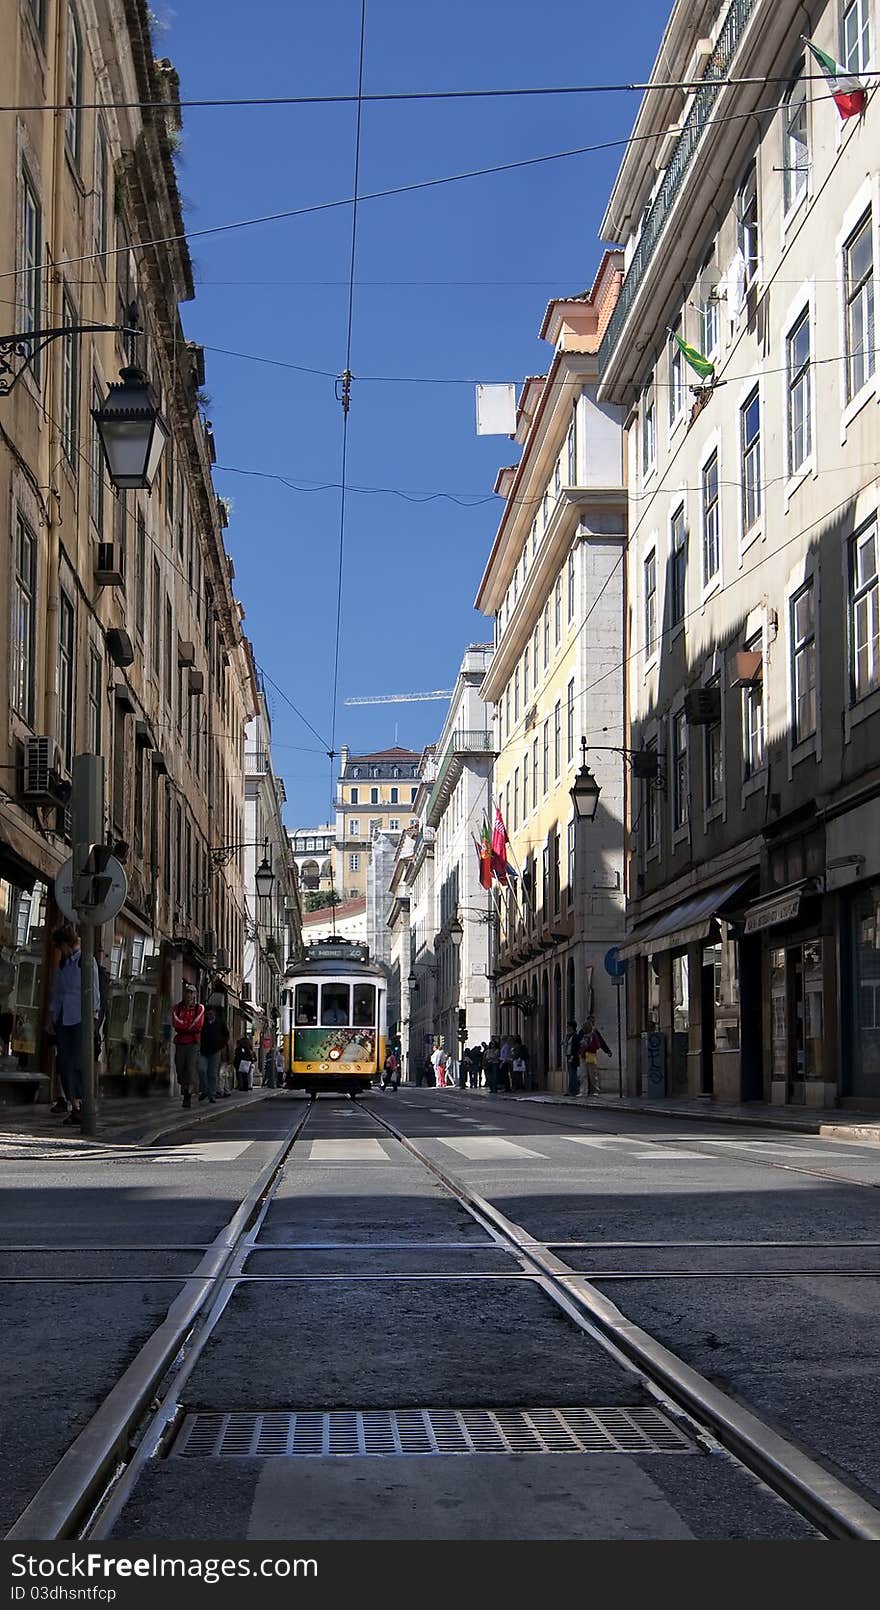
[[332, 950]]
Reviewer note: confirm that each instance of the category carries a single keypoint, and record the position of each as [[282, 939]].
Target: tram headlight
[[335, 1054]]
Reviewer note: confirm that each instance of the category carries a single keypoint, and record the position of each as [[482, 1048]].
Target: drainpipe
[[51, 392]]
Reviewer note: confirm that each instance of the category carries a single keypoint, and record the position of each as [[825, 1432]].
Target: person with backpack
[[391, 1071], [590, 1044]]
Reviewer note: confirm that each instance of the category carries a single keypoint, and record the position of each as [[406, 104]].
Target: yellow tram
[[334, 1018]]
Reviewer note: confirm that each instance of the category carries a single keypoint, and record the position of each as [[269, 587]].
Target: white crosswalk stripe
[[487, 1148], [347, 1151]]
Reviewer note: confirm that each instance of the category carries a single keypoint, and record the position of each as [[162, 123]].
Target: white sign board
[[108, 908], [496, 410]]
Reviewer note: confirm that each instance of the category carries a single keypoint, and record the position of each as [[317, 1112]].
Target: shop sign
[[769, 916]]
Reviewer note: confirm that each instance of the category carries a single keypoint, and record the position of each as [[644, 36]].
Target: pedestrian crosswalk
[[601, 1151]]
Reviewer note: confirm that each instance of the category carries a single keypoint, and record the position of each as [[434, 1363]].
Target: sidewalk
[[836, 1123], [139, 1119]]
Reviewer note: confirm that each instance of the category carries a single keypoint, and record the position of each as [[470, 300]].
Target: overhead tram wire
[[402, 190]]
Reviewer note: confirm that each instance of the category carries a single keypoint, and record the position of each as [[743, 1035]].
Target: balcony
[[699, 116], [256, 762], [462, 746]]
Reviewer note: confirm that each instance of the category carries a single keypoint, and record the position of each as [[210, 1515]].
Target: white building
[[313, 850]]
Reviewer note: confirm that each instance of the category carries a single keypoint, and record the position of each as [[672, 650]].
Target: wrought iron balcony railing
[[699, 116]]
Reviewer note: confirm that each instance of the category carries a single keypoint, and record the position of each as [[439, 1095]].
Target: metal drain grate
[[383, 1433]]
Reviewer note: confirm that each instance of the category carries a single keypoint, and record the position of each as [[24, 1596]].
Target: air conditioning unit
[[210, 944], [108, 568], [186, 652], [196, 682], [702, 707], [40, 770], [246, 993], [119, 646]]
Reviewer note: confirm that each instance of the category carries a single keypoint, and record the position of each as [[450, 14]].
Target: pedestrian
[[438, 1063], [65, 1019], [491, 1060], [213, 1042], [465, 1067], [391, 1071], [278, 1055], [518, 1065], [243, 1063], [590, 1043], [504, 1057], [187, 1020], [571, 1051]]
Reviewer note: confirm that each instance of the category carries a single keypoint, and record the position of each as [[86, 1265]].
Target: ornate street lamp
[[456, 932], [585, 791], [264, 879], [132, 431]]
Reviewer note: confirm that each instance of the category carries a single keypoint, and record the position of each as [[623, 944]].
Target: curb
[[184, 1119]]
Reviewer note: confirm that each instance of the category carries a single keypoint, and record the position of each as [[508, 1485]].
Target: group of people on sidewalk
[[582, 1047], [201, 1050]]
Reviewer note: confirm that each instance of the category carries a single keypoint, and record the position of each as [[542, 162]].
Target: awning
[[684, 924], [781, 907]]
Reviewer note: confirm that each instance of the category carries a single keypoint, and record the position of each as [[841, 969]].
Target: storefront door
[[864, 1050], [797, 1017]]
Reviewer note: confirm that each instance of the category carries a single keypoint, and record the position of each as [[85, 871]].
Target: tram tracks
[[88, 1489]]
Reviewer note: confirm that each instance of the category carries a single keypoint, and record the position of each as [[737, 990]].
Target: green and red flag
[[848, 92], [702, 366], [484, 855]]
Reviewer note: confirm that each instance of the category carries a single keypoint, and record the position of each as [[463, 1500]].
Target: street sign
[[112, 903], [614, 966]]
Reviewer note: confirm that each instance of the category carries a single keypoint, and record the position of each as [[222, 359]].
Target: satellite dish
[[708, 283]]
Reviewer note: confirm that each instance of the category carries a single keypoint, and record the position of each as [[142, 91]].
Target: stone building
[[273, 923], [121, 635], [374, 794], [554, 583], [312, 849], [753, 631]]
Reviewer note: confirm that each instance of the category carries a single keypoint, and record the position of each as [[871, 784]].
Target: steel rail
[[82, 1474], [800, 1480]]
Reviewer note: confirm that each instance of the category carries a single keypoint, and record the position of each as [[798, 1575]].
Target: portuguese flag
[[483, 848], [694, 357], [849, 93]]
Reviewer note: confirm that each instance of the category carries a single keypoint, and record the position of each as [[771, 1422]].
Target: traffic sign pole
[[87, 805]]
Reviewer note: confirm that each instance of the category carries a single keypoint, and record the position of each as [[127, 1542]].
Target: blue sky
[[280, 291]]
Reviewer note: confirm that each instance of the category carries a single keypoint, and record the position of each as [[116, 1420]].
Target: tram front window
[[306, 1014], [364, 1006], [334, 1005]]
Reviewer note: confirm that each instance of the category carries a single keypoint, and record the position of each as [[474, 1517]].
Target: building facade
[[313, 849], [348, 920], [374, 794], [454, 807], [753, 636], [554, 583], [121, 635], [273, 923]]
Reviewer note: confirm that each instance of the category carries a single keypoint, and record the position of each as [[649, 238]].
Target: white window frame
[[677, 378], [856, 60], [713, 808], [748, 533], [648, 446], [679, 829], [870, 595], [711, 581], [800, 580], [802, 306], [28, 281], [650, 623], [354, 861], [746, 232], [795, 113], [677, 624], [710, 315], [754, 764], [652, 849], [354, 827], [852, 401], [570, 585]]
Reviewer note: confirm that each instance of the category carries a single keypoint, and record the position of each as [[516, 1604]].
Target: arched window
[[73, 118]]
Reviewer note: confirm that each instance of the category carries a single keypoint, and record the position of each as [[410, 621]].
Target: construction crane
[[404, 698]]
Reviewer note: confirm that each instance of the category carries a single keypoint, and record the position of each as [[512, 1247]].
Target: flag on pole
[[848, 92], [484, 856], [499, 847], [703, 367]]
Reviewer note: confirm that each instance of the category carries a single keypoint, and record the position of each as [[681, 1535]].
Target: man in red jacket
[[188, 1020]]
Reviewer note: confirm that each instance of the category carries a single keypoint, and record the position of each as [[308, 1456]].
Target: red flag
[[499, 847], [484, 851], [848, 92]]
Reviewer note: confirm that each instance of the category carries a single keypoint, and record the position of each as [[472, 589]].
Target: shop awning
[[784, 906], [684, 924]]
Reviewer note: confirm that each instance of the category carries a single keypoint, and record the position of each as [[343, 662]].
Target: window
[[713, 758], [66, 657], [525, 679], [753, 718], [24, 607], [535, 773], [679, 771], [650, 604], [545, 508], [140, 575], [525, 785], [855, 35], [711, 528], [649, 429], [354, 827], [516, 694], [507, 711], [374, 796], [73, 115], [545, 882], [546, 634], [31, 249], [534, 536], [156, 620], [354, 796], [557, 739], [412, 793], [354, 863], [335, 1004], [799, 404], [554, 868], [571, 452], [676, 376], [708, 309], [169, 652], [569, 721], [394, 825], [97, 473], [516, 799], [570, 579], [803, 663], [795, 150], [535, 659], [99, 199], [364, 1016], [864, 613], [750, 460], [747, 224], [375, 825], [571, 850], [652, 808], [677, 568], [95, 727], [557, 612], [69, 385], [546, 756], [395, 796], [858, 265]]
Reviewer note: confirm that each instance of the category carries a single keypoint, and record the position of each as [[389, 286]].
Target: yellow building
[[374, 794], [554, 583]]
